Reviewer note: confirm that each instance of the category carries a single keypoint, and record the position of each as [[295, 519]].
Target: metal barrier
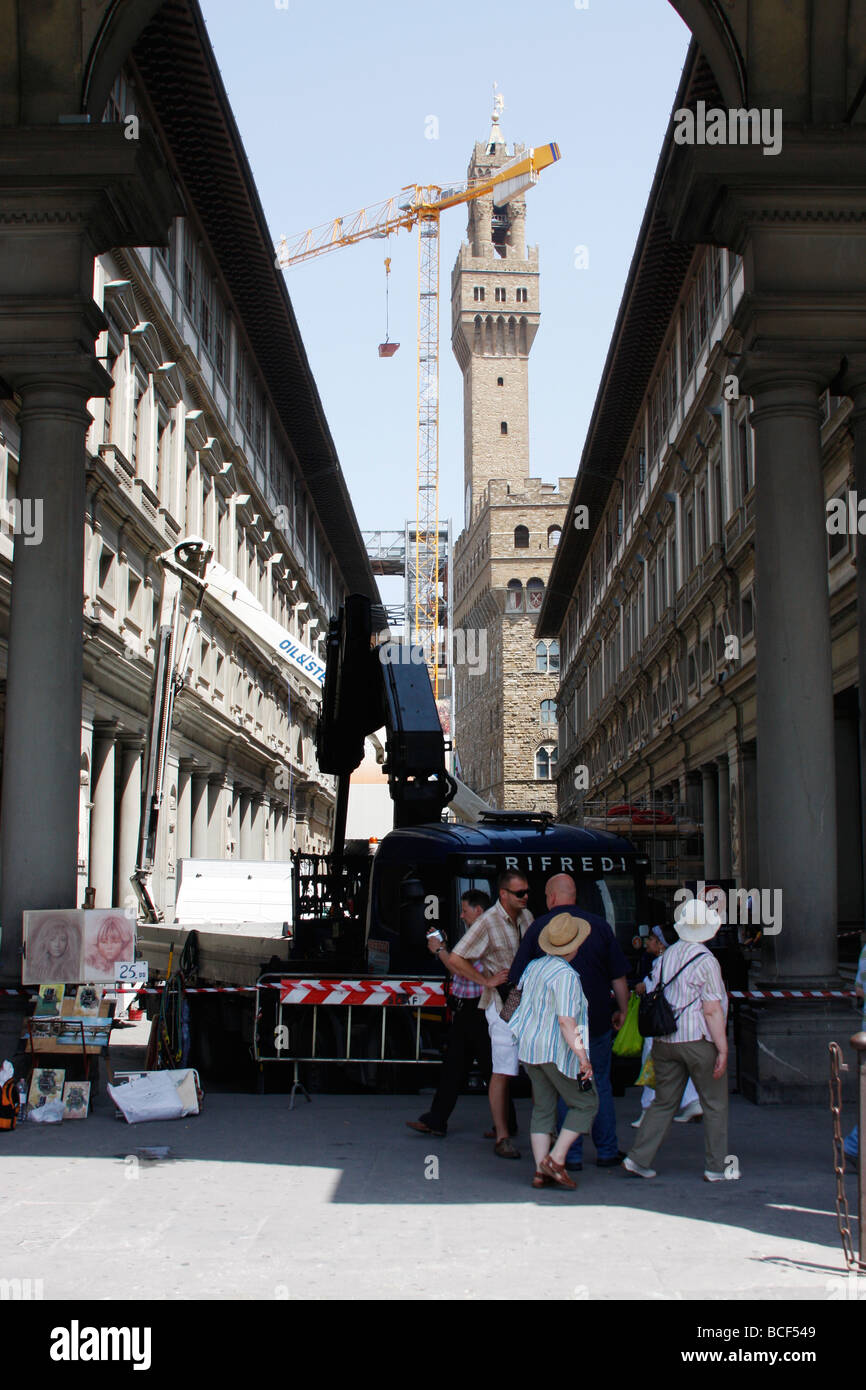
[[392, 996]]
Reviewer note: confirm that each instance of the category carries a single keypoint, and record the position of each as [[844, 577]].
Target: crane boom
[[421, 205]]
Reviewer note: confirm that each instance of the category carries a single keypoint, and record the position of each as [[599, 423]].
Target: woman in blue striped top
[[551, 1027]]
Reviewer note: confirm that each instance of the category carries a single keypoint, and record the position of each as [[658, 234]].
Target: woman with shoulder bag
[[698, 1046]]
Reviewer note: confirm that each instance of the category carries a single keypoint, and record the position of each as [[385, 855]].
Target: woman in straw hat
[[698, 1047], [551, 1027]]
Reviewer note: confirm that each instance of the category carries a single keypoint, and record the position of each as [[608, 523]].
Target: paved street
[[332, 1200]]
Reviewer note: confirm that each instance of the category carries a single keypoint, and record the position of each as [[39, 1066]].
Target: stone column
[[796, 758], [184, 809], [102, 817], [199, 815], [263, 828], [245, 813], [711, 822], [129, 816], [66, 194], [856, 388], [724, 777]]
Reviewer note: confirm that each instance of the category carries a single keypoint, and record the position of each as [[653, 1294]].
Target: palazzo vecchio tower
[[505, 723]]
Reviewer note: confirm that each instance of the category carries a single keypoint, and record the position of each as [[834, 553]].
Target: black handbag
[[655, 1017]]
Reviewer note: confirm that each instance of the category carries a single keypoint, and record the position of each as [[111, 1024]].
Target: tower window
[[500, 381], [522, 296], [500, 295], [503, 428], [521, 538], [478, 293]]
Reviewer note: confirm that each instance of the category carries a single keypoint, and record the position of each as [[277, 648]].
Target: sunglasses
[[524, 893]]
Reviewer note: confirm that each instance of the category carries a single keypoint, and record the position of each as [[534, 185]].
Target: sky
[[333, 102]]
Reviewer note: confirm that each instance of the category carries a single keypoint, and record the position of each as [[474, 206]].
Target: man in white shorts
[[493, 940]]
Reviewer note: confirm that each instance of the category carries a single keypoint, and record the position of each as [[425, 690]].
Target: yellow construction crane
[[421, 205]]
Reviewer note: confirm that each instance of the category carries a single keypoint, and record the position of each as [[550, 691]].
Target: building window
[[500, 295], [704, 521], [690, 539], [514, 597], [554, 535], [548, 711], [500, 381], [478, 293], [522, 296], [521, 538], [692, 669], [547, 657], [503, 428], [545, 763], [534, 595], [747, 616], [743, 458]]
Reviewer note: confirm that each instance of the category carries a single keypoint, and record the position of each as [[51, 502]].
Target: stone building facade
[[504, 712], [654, 599], [194, 439]]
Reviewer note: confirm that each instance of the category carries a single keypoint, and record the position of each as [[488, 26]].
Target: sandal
[[556, 1172], [505, 1149], [541, 1179]]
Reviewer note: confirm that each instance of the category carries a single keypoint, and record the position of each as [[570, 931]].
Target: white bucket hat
[[694, 921]]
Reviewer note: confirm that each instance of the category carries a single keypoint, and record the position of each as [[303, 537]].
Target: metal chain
[[843, 1216]]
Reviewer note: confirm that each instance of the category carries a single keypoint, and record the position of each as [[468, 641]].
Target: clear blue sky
[[332, 102]]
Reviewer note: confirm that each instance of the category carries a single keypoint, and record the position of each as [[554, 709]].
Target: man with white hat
[[698, 1047]]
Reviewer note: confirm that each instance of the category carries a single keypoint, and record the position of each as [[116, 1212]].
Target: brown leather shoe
[[505, 1149], [420, 1126], [541, 1179], [556, 1171]]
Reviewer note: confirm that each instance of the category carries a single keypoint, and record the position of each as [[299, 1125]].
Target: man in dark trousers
[[469, 1038], [602, 967]]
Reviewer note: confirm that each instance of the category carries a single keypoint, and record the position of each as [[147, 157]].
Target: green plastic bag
[[628, 1040]]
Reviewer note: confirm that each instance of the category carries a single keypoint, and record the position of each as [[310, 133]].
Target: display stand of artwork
[[72, 1032]]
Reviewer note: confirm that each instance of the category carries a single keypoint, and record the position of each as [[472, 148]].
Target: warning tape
[[793, 994]]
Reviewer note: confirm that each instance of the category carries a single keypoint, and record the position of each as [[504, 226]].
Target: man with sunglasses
[[493, 940]]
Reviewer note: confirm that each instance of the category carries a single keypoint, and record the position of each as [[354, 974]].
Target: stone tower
[[505, 728], [494, 312]]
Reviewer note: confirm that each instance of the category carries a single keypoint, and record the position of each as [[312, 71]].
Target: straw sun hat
[[563, 934]]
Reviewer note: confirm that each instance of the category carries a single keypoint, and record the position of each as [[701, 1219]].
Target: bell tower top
[[494, 317]]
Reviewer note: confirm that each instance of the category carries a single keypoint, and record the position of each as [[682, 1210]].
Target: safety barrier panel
[[383, 993]]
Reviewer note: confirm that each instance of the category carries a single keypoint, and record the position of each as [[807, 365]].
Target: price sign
[[130, 972]]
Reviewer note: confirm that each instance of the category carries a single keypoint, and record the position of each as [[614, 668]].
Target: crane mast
[[421, 205]]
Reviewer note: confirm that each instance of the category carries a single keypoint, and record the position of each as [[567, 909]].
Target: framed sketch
[[46, 1084], [109, 937], [76, 1100], [53, 947], [87, 1000], [49, 1002]]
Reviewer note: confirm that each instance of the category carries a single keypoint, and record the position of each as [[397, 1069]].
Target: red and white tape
[[793, 994]]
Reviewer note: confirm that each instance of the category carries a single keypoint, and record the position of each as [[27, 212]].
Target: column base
[[783, 1050]]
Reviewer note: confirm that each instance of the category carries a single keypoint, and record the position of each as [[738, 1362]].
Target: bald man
[[602, 967]]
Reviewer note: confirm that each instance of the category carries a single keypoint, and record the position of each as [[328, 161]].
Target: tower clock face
[[468, 504]]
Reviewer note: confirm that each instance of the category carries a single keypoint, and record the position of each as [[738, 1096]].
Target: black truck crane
[[352, 907]]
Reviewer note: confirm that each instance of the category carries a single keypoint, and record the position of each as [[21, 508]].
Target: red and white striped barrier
[[793, 994], [412, 992]]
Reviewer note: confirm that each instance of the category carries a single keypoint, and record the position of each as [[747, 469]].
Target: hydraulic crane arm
[[369, 684]]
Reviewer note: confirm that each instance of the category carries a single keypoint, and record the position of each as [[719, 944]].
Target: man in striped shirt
[[494, 940]]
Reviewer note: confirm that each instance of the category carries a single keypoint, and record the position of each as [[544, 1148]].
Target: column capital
[[794, 375]]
